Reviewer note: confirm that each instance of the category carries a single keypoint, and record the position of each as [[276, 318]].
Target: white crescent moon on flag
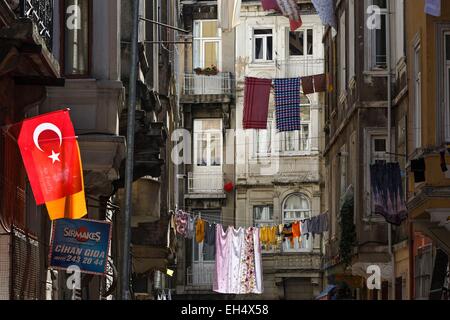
[[46, 127]]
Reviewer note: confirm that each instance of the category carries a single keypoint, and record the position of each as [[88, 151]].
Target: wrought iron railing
[[41, 12]]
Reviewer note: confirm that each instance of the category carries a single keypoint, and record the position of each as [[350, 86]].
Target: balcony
[[41, 13], [201, 275], [299, 67], [205, 183], [206, 89]]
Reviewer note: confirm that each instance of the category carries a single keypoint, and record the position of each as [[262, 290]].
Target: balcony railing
[[201, 274], [41, 12], [299, 67], [205, 182], [219, 84]]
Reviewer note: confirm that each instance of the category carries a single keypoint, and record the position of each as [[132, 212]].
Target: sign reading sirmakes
[[82, 243]]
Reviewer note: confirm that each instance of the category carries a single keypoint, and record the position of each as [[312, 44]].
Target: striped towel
[[287, 104], [256, 103]]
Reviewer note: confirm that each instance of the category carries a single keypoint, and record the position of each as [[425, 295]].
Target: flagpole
[[125, 276]]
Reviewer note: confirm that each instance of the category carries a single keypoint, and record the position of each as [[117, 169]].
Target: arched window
[[297, 208]]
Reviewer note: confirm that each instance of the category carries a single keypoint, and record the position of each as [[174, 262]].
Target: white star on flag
[[55, 157]]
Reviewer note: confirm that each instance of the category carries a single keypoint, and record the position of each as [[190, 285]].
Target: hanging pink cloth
[[238, 261]]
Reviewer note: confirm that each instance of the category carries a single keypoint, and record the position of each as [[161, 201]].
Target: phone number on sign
[[78, 259]]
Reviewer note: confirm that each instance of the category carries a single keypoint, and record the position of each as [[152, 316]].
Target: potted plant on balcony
[[208, 71]]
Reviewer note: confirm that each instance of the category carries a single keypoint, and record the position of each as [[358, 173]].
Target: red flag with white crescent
[[51, 156]]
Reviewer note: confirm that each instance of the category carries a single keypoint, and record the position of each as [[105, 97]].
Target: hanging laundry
[[209, 245], [314, 226], [443, 162], [287, 8], [288, 234], [418, 168], [238, 267], [433, 7], [296, 231], [323, 222], [256, 103], [320, 83], [190, 231], [307, 85], [305, 226], [330, 87], [287, 104], [273, 236], [326, 11], [387, 192], [181, 219], [199, 230], [229, 14]]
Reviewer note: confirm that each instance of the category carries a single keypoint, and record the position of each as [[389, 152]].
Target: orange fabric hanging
[[200, 231]]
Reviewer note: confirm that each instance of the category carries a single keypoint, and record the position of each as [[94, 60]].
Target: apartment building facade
[[206, 97], [278, 174], [427, 50], [366, 60], [27, 66]]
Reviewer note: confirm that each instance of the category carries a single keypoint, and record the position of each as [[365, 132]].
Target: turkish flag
[[51, 156]]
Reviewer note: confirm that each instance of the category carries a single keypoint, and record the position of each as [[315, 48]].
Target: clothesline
[[242, 222]]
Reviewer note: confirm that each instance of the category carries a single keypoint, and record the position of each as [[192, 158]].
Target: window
[[417, 98], [377, 50], [76, 38], [263, 45], [297, 208], [343, 170], [447, 83], [351, 38], [208, 142], [342, 55], [301, 43], [207, 44], [263, 140], [377, 153], [423, 270], [263, 215], [300, 140]]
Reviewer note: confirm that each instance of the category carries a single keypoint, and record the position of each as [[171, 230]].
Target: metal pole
[[125, 277], [389, 142], [163, 25]]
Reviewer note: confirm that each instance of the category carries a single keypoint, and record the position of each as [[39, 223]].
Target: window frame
[[298, 135], [264, 37], [446, 83], [310, 244], [305, 54], [417, 97], [62, 46], [370, 135], [371, 47], [209, 133], [262, 222], [203, 41]]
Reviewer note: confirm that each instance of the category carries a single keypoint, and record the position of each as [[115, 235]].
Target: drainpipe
[[389, 143], [126, 261]]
